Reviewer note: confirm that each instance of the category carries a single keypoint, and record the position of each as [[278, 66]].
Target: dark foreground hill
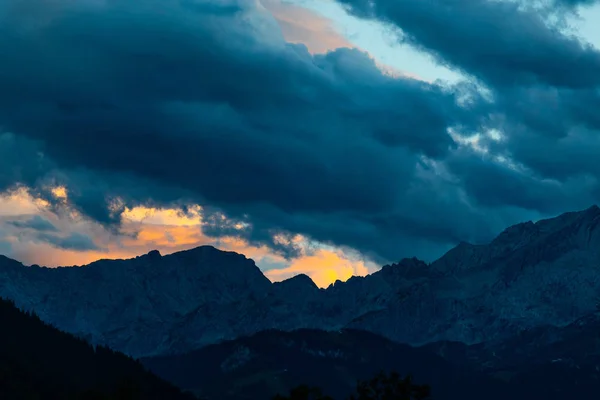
[[271, 362], [546, 363], [40, 362], [549, 363]]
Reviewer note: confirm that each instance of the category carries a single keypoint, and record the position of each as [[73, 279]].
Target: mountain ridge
[[272, 361], [531, 274]]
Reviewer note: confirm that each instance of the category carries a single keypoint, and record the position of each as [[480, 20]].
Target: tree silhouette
[[38, 361], [304, 392], [381, 387], [390, 387]]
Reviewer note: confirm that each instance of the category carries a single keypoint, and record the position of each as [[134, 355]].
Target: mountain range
[[519, 316], [543, 274]]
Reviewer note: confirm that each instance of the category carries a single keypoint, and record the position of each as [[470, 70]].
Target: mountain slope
[[546, 363], [533, 274], [272, 362], [550, 362], [114, 301], [40, 362]]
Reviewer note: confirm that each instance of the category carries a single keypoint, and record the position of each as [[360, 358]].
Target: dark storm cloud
[[74, 241], [495, 183], [538, 77], [20, 161], [200, 102], [153, 102], [495, 41], [36, 223], [544, 90]]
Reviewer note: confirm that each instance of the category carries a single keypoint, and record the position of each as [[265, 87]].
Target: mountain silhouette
[[531, 275], [39, 362], [272, 362]]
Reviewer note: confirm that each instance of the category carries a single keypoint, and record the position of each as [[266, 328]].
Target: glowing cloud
[[300, 25], [146, 228], [324, 267]]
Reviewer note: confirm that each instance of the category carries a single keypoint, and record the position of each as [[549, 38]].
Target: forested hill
[[38, 361]]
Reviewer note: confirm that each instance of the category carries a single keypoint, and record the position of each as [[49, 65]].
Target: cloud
[[158, 105], [324, 267], [247, 123], [300, 25], [168, 230], [74, 241], [542, 87], [575, 3], [496, 41], [36, 223], [5, 247]]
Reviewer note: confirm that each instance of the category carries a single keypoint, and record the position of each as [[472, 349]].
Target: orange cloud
[[20, 202], [317, 33], [60, 192], [167, 230], [300, 25], [163, 216]]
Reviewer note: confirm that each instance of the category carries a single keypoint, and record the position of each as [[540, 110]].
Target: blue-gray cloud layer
[[164, 101], [74, 241], [36, 223]]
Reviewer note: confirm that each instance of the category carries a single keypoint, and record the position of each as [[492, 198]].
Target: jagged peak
[[209, 257], [151, 255], [523, 230], [407, 268], [7, 261], [515, 232], [592, 212], [521, 235], [570, 217], [300, 280], [205, 250], [411, 262]]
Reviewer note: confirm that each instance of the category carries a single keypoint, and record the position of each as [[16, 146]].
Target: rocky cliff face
[[146, 298], [533, 274]]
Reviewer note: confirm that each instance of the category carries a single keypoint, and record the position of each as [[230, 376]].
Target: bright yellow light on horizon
[[324, 267]]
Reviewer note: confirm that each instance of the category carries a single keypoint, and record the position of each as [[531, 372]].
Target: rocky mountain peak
[[153, 255], [8, 262], [515, 232], [407, 268], [569, 219], [514, 237], [532, 274], [298, 286], [528, 243], [407, 263], [300, 280]]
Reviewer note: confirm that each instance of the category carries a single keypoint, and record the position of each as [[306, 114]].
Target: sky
[[314, 136]]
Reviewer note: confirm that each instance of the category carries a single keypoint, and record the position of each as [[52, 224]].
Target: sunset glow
[[167, 230]]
